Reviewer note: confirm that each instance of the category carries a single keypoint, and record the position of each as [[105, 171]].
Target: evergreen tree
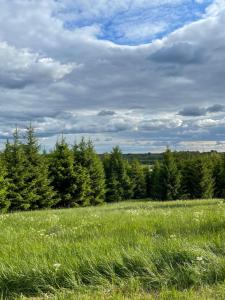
[[219, 176], [156, 182], [38, 182], [72, 182], [17, 175], [4, 200], [171, 178], [86, 157], [138, 178], [197, 180], [119, 184], [62, 173]]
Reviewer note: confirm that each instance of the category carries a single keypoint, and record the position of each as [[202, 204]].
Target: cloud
[[216, 108], [179, 53], [21, 67], [104, 113], [69, 65], [194, 111]]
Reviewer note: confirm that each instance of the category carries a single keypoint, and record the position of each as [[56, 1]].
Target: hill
[[133, 249]]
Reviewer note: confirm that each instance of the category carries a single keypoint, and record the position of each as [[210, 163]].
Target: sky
[[140, 74]]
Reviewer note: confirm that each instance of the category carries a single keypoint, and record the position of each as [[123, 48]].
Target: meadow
[[127, 250]]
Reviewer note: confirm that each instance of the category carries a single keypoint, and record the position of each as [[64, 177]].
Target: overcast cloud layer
[[141, 74]]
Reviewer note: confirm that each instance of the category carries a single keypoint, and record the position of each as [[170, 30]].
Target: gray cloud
[[193, 111], [180, 53], [67, 79], [104, 113], [216, 108]]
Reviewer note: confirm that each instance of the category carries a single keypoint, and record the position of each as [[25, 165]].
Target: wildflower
[[57, 266], [199, 258], [173, 236]]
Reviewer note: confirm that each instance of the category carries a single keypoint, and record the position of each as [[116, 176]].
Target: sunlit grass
[[130, 249]]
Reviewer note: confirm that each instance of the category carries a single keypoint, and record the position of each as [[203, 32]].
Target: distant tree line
[[78, 176]]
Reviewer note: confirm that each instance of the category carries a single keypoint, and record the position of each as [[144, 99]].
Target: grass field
[[129, 250]]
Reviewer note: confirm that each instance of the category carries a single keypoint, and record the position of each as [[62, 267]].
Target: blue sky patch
[[136, 24]]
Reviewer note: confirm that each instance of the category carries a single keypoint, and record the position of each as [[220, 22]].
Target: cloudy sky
[[138, 73]]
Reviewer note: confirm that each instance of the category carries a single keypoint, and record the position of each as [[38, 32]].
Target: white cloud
[[62, 79]]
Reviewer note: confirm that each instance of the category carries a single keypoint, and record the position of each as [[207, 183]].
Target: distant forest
[[78, 176]]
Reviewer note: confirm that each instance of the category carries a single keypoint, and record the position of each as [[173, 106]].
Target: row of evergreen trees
[[77, 176]]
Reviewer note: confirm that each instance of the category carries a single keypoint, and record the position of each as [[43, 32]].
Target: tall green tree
[[62, 173], [137, 174], [86, 157], [17, 174], [197, 179], [118, 182], [4, 200], [39, 186], [171, 178], [156, 187], [72, 182]]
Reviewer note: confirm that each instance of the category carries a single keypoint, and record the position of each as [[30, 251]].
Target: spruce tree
[[119, 184], [197, 179], [4, 200], [71, 181], [171, 178], [157, 190], [62, 173], [219, 176], [38, 182], [17, 174], [138, 178], [86, 157]]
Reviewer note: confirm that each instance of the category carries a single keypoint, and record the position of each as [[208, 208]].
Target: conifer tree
[[38, 182], [156, 182], [219, 176], [171, 178], [197, 180], [62, 173], [72, 182], [4, 200], [138, 180], [119, 184], [86, 157], [17, 174]]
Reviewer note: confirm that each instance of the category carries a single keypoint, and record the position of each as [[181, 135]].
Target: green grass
[[129, 250]]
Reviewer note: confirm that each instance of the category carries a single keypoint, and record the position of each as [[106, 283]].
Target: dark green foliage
[[119, 184], [171, 177], [155, 185], [138, 177], [70, 180], [17, 175], [197, 180], [86, 157], [218, 169], [41, 194], [62, 173], [77, 176], [4, 200]]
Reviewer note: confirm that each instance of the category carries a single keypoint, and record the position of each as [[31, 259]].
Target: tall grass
[[129, 248]]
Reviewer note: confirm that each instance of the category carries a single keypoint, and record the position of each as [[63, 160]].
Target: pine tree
[[219, 176], [4, 200], [86, 157], [38, 183], [197, 180], [62, 173], [156, 188], [138, 180], [71, 181], [119, 184], [17, 174], [171, 178]]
